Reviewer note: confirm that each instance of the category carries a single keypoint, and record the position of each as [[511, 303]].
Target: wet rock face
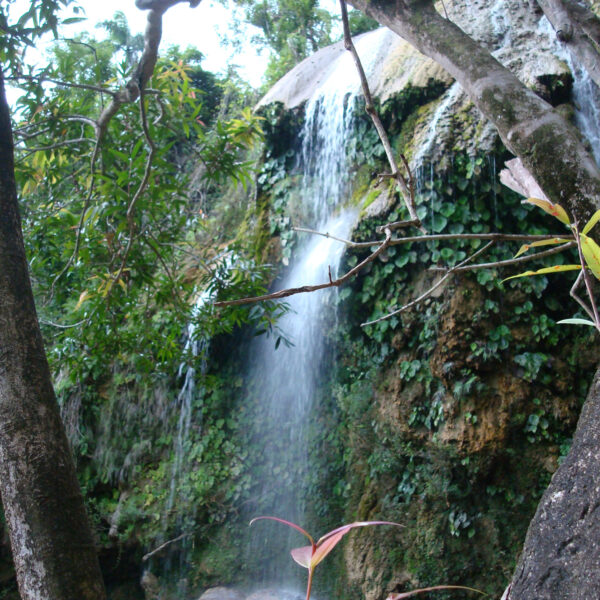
[[389, 62]]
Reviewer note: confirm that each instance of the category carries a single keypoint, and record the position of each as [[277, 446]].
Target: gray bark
[[561, 554], [528, 126], [579, 28], [53, 548], [560, 559]]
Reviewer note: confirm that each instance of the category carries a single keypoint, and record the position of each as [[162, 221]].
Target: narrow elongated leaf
[[349, 526], [546, 270], [288, 523], [595, 218], [82, 298], [328, 542], [302, 556], [551, 242], [591, 253], [576, 321], [556, 210]]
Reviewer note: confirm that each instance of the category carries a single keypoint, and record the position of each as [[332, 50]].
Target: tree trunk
[[561, 554], [53, 548], [562, 548], [549, 146], [579, 29]]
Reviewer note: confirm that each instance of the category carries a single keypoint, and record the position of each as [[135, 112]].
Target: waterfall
[[441, 115], [288, 379], [175, 565], [586, 95]]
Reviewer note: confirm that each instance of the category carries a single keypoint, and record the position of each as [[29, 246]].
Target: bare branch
[[577, 299], [59, 145], [153, 245], [313, 288], [51, 324], [68, 84], [432, 288], [164, 545], [145, 68], [141, 188], [406, 186], [511, 261], [586, 275], [497, 237]]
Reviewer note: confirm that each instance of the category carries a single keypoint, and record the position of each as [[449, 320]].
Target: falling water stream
[[586, 95], [288, 379]]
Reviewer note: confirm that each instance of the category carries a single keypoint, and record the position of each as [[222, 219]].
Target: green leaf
[[551, 242], [576, 322], [595, 218], [591, 253], [546, 270]]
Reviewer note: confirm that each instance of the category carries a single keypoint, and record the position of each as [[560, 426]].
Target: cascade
[[287, 380], [174, 563], [586, 95]]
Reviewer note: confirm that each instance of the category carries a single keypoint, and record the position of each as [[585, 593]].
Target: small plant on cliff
[[589, 258], [310, 556]]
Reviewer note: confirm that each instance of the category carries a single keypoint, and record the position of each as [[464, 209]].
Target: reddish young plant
[[310, 556]]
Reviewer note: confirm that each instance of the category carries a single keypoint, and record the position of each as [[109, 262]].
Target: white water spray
[[586, 95], [288, 380]]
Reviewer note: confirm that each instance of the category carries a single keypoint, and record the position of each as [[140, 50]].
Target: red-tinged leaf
[[551, 242], [545, 271], [556, 210], [326, 547], [591, 253], [302, 556], [288, 523], [350, 526], [433, 589], [328, 542], [595, 218]]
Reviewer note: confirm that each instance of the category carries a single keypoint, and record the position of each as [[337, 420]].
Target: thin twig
[[141, 188], [497, 237], [312, 288], [29, 151], [407, 191], [577, 299], [51, 324], [510, 261], [432, 288], [163, 546], [86, 204], [151, 243], [586, 276], [69, 84]]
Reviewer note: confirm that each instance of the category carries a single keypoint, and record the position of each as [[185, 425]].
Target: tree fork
[[53, 547], [529, 127]]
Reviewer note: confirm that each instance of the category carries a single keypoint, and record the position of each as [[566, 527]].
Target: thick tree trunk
[[53, 549], [560, 558], [549, 146], [561, 555]]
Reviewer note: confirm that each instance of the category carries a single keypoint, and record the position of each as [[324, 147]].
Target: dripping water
[[196, 346]]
